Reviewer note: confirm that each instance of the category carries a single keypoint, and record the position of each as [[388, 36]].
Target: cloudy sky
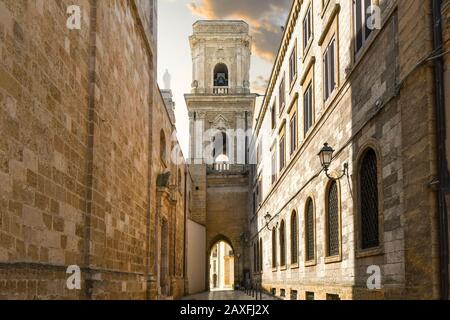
[[176, 17]]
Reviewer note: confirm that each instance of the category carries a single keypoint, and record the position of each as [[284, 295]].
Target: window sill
[[310, 263], [274, 269], [378, 251], [293, 81], [295, 266], [333, 259], [283, 268]]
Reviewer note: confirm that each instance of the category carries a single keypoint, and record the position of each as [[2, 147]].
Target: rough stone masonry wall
[[43, 113], [43, 135]]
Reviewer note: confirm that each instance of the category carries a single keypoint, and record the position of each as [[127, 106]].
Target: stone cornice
[[288, 30]]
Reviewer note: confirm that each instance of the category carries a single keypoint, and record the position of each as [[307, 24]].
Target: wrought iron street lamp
[[326, 157]]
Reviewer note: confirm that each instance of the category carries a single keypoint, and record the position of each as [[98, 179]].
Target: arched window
[[309, 231], [294, 238], [368, 200], [255, 258], [282, 244], [220, 145], [260, 255], [274, 248], [221, 75], [332, 220], [162, 146]]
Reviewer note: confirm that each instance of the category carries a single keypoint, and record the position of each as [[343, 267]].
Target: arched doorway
[[221, 266]]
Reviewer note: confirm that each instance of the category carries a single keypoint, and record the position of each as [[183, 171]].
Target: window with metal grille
[[294, 294], [255, 258], [274, 248], [368, 190], [309, 295], [282, 244], [283, 293], [294, 238], [308, 109], [260, 255], [333, 296], [309, 231], [333, 220]]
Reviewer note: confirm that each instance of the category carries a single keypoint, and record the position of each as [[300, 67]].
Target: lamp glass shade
[[326, 155], [267, 217]]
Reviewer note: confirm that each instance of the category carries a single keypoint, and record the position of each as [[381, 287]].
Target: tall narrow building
[[220, 109]]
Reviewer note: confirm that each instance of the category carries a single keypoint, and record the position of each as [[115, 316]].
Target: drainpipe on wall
[[441, 150]]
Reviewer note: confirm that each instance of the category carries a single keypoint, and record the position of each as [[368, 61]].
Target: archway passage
[[221, 264]]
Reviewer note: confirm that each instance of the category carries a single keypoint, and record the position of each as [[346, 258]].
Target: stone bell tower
[[221, 108]]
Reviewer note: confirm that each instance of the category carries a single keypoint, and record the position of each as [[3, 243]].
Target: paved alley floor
[[225, 295]]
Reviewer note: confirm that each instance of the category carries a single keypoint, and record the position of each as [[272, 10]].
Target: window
[[255, 258], [333, 242], [162, 146], [259, 152], [282, 152], [274, 116], [294, 238], [368, 206], [274, 167], [307, 28], [293, 65], [274, 248], [260, 255], [329, 68], [282, 244], [273, 291], [254, 203], [283, 293], [220, 145], [309, 295], [282, 95], [293, 132], [308, 108], [333, 296], [294, 294], [221, 75], [180, 179], [362, 30], [309, 231]]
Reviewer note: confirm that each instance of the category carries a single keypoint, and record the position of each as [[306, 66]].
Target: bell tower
[[221, 108]]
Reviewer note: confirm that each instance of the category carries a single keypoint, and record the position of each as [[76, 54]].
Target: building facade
[[86, 139], [220, 108], [372, 225]]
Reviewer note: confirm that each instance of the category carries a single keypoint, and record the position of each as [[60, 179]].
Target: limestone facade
[[381, 99], [82, 179]]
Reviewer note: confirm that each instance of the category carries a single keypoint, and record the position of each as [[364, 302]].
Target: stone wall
[[76, 169], [384, 99]]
